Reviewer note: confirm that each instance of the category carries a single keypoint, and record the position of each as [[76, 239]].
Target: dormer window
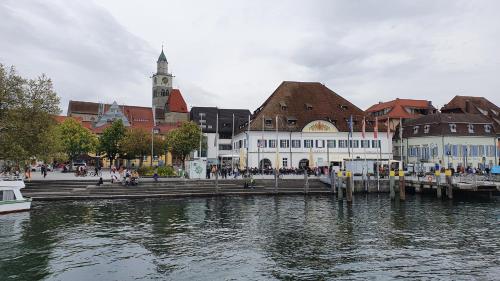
[[309, 106], [415, 130], [291, 121], [268, 122], [283, 105], [453, 128], [427, 128], [487, 128], [343, 107], [470, 127]]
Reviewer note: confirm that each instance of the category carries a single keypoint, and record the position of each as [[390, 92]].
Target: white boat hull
[[9, 207]]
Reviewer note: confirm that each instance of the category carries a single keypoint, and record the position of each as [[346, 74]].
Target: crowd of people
[[226, 171]]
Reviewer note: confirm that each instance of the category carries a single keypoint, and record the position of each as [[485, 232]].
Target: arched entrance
[[265, 164], [304, 163]]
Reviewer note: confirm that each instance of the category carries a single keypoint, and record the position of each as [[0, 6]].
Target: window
[[331, 143], [240, 144], [342, 143], [427, 128], [224, 147], [272, 143], [283, 105], [354, 143], [320, 143], [453, 128], [285, 162], [262, 143], [268, 122], [309, 106], [365, 144], [291, 121], [487, 128], [308, 143], [470, 127], [415, 130], [245, 143], [295, 143], [284, 143], [376, 143]]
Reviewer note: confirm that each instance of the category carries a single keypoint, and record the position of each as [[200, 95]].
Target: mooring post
[[340, 193], [349, 186], [333, 181], [306, 182], [438, 185], [449, 182], [391, 185], [402, 187], [276, 177]]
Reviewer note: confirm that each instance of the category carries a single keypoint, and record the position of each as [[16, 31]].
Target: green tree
[[75, 139], [136, 144], [26, 110], [109, 142], [183, 140]]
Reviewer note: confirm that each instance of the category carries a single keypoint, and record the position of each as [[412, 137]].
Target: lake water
[[253, 238]]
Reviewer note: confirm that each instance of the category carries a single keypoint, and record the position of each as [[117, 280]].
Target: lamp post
[[201, 114]]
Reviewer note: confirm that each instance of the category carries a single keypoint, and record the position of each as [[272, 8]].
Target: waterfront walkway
[[147, 188]]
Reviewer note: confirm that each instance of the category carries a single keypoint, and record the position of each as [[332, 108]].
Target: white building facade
[[319, 144]]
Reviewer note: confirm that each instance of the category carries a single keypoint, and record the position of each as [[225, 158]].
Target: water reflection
[[252, 238]]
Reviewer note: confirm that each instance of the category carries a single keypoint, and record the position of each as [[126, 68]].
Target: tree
[[75, 139], [136, 144], [26, 110], [110, 139], [183, 140]]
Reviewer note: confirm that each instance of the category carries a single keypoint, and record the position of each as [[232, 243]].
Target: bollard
[[306, 183], [449, 183], [349, 187], [391, 185], [438, 185], [340, 193], [402, 189], [332, 181]]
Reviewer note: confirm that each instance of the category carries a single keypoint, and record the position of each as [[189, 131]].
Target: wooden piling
[[340, 193], [438, 185], [333, 181], [391, 185], [306, 182], [402, 188], [349, 187], [449, 183]]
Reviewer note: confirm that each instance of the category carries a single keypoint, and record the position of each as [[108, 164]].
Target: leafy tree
[[109, 142], [26, 110], [183, 140], [75, 139], [136, 144]]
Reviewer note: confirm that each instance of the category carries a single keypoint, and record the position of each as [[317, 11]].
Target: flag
[[350, 126], [388, 127], [363, 128], [375, 129]]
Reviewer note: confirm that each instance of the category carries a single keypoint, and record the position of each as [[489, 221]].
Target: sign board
[[197, 169], [320, 126]]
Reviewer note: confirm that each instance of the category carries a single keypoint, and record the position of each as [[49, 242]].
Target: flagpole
[[152, 134], [277, 145], [401, 142], [375, 135], [217, 153], [363, 133]]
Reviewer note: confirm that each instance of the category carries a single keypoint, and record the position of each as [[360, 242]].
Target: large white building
[[306, 124]]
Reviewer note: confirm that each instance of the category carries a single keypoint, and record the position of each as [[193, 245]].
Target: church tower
[[162, 83]]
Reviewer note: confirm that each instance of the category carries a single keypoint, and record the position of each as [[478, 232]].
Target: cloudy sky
[[235, 53]]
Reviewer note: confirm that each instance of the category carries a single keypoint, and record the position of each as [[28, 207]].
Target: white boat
[[11, 199]]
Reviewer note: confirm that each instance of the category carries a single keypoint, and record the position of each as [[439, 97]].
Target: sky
[[234, 54]]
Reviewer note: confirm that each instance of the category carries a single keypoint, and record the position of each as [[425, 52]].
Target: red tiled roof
[[60, 118], [397, 107], [176, 103]]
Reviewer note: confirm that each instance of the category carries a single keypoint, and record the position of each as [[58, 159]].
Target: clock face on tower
[[165, 80]]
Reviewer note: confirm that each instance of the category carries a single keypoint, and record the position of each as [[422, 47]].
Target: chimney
[[467, 106]]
